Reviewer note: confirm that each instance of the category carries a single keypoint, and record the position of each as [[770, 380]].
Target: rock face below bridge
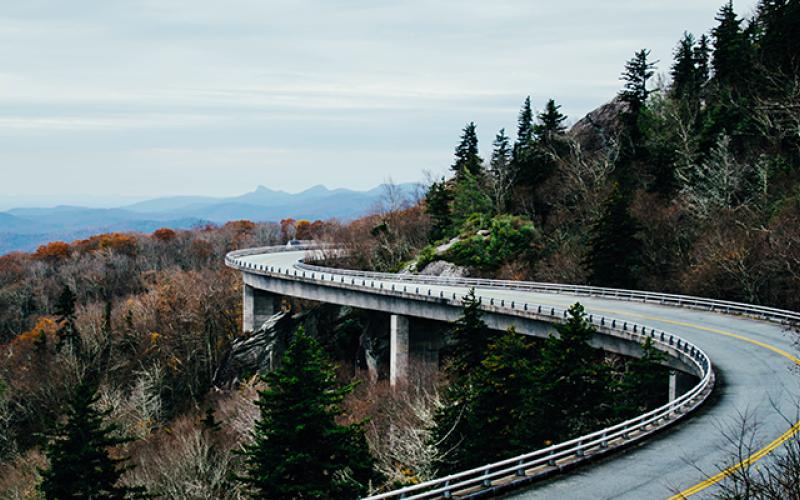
[[257, 353], [356, 340]]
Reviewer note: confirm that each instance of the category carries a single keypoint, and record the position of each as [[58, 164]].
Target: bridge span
[[743, 351]]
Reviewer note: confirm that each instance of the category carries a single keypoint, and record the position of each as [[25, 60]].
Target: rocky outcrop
[[445, 269], [600, 127], [256, 353]]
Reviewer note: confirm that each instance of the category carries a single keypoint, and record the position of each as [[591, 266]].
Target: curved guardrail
[[526, 467], [676, 300]]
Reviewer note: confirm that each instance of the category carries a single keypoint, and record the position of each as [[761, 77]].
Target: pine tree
[[638, 72], [67, 330], [778, 41], [78, 453], [685, 78], [571, 379], [471, 338], [488, 415], [298, 450], [521, 154], [551, 122], [614, 246], [500, 170], [437, 206], [467, 159], [731, 50], [702, 57], [525, 133], [501, 154]]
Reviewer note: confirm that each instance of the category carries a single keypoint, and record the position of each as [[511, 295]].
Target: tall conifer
[[298, 450], [467, 159], [614, 246], [78, 452]]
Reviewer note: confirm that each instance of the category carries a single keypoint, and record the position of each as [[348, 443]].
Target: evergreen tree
[[571, 380], [501, 155], [488, 415], [685, 78], [530, 162], [471, 338], [500, 170], [469, 198], [614, 246], [298, 450], [779, 38], [67, 330], [638, 72], [467, 159], [702, 57], [78, 453], [525, 132], [437, 206], [731, 48], [523, 146], [551, 122]]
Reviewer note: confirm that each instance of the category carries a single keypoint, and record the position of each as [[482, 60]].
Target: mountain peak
[[319, 188]]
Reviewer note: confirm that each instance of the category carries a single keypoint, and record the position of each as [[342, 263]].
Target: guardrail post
[[551, 461], [520, 471]]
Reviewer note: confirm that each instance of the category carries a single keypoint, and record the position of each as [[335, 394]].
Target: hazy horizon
[[135, 100]]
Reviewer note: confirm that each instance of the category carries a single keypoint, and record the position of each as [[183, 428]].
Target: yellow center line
[[758, 454]]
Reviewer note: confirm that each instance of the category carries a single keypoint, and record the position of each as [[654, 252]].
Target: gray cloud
[[136, 98]]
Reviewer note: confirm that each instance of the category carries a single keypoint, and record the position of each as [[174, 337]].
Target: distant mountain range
[[26, 228]]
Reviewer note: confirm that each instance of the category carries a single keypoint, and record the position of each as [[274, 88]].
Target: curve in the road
[[752, 354]]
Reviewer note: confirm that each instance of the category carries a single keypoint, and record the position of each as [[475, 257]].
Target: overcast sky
[[131, 99]]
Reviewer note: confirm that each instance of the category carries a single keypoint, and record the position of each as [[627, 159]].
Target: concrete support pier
[[257, 307], [399, 346], [673, 385], [680, 383]]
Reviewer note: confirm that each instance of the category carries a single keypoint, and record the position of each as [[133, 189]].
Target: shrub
[[509, 237]]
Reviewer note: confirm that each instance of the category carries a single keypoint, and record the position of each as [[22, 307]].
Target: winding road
[[754, 363]]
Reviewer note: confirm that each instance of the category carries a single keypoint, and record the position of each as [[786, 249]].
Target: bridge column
[[257, 307], [679, 383], [673, 385], [399, 344]]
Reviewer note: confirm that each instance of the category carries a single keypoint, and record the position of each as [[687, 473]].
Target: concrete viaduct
[[747, 345]]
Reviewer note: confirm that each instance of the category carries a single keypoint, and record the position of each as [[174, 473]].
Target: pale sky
[[129, 99]]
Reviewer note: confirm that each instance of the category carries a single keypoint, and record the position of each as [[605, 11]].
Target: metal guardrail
[[524, 467], [686, 301]]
